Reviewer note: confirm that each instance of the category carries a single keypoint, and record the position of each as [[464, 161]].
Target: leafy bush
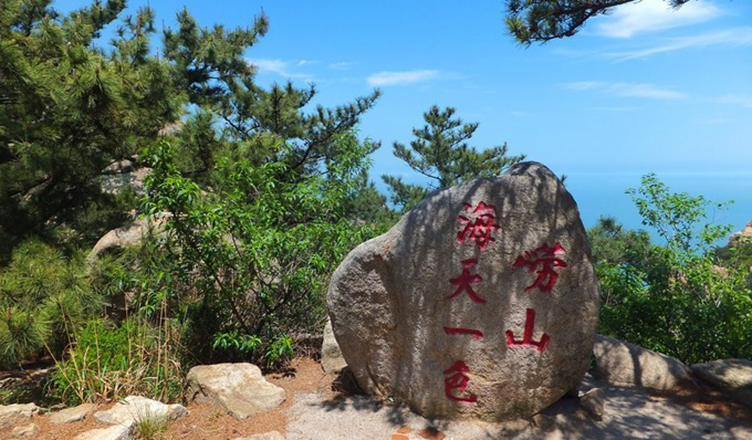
[[672, 298], [250, 261]]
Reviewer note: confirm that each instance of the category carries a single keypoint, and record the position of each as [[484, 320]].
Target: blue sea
[[600, 194]]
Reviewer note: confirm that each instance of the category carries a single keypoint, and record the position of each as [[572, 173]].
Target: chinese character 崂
[[545, 257], [464, 281], [458, 380], [481, 228]]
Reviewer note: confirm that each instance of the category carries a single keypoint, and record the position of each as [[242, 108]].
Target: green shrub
[[111, 360], [44, 296], [672, 298]]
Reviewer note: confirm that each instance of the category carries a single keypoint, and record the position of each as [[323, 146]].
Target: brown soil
[[304, 375], [211, 422], [703, 397]]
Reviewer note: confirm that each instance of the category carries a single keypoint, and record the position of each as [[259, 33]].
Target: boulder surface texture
[[480, 303], [732, 376], [240, 388], [10, 414], [622, 363], [136, 408]]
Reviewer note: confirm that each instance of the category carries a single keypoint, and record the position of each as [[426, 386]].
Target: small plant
[[150, 426]]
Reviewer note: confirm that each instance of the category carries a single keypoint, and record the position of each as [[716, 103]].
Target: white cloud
[[738, 37], [626, 90], [742, 100], [342, 65], [644, 91], [401, 78], [583, 85], [653, 15], [281, 68]]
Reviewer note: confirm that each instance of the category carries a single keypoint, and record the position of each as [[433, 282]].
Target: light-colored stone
[[12, 413], [134, 408], [543, 421], [331, 356], [622, 363], [29, 430], [733, 377], [271, 435], [240, 388], [392, 297], [117, 432], [69, 415], [593, 402], [131, 235]]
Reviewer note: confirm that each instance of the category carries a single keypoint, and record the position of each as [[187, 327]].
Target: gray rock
[[69, 415], [593, 403], [135, 408], [622, 363], [733, 377], [117, 432], [131, 235], [10, 414], [240, 388], [271, 435], [331, 356], [29, 430], [412, 330]]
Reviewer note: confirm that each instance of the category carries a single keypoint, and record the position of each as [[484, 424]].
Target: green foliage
[[441, 153], [251, 259], [110, 361], [532, 21], [67, 110], [44, 295], [672, 298]]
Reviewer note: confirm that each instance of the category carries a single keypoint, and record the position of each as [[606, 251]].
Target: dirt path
[[315, 411]]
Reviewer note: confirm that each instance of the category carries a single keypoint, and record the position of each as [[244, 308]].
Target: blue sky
[[645, 89]]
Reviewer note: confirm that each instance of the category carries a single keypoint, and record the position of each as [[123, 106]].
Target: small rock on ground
[[331, 356], [11, 413], [69, 415], [240, 388], [29, 430], [593, 403], [134, 408], [117, 432]]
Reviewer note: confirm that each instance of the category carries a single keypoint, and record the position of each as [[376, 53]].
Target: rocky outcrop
[[10, 414], [240, 388], [331, 356], [131, 235], [743, 235], [733, 377], [480, 303], [70, 415], [622, 363]]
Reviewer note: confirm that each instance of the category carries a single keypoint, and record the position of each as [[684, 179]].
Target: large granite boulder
[[240, 388], [480, 303], [733, 377], [622, 363]]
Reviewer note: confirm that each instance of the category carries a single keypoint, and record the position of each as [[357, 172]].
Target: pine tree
[[441, 153], [532, 21]]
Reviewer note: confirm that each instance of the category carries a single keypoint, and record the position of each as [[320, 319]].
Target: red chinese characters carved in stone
[[546, 258], [477, 334], [458, 381], [464, 281], [481, 227], [527, 337]]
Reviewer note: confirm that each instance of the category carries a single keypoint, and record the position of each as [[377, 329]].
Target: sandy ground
[[322, 407]]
